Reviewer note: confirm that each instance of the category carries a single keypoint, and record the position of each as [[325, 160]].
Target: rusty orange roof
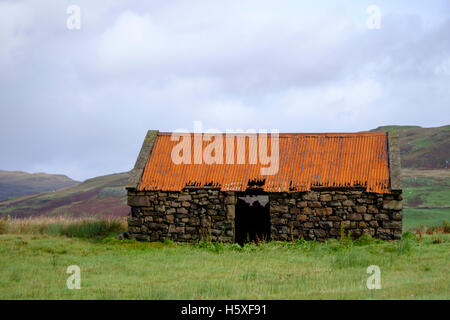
[[329, 160]]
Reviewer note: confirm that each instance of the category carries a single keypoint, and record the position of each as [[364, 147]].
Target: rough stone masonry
[[208, 214]]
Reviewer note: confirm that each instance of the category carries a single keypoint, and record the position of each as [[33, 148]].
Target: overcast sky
[[79, 102]]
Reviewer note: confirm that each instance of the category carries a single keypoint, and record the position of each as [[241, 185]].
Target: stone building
[[321, 183]]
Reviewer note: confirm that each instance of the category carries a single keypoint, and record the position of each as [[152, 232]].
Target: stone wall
[[319, 215], [190, 215], [195, 214]]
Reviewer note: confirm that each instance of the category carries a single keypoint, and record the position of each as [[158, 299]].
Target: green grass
[[427, 196], [33, 266], [395, 128], [426, 188], [421, 143], [414, 218]]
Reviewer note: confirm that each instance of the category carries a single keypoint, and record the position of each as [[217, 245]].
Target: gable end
[[394, 161], [144, 154]]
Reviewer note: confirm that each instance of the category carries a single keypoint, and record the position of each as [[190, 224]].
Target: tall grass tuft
[[2, 226], [81, 228], [444, 228], [87, 228]]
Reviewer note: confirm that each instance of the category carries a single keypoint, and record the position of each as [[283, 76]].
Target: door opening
[[252, 219]]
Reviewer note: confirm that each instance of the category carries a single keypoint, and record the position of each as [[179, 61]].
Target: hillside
[[424, 148], [424, 153], [19, 183], [98, 197], [426, 192]]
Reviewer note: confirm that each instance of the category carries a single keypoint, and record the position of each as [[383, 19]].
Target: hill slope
[[101, 196], [425, 192], [19, 183], [425, 148]]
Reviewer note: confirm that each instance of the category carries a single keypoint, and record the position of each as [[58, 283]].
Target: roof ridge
[[363, 133]]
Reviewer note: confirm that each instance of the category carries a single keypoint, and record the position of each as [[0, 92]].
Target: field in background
[[426, 198], [426, 188], [414, 219]]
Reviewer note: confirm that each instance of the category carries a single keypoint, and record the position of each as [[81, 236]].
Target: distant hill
[[19, 183], [98, 197], [423, 148]]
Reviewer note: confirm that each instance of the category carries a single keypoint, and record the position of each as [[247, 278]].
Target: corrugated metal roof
[[330, 160]]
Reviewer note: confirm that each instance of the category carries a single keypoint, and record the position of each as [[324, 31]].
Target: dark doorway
[[252, 216]]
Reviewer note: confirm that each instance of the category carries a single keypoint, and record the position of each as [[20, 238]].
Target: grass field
[[426, 198], [414, 218], [426, 188], [34, 261]]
